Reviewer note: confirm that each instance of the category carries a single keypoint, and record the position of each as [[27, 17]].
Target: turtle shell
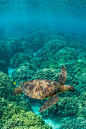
[[40, 88]]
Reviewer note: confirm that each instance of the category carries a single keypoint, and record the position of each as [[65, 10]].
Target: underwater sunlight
[[43, 64]]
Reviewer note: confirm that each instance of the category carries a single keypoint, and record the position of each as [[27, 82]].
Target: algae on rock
[[26, 119]]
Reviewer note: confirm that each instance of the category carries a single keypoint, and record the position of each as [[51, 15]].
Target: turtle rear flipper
[[17, 91], [63, 75], [50, 102]]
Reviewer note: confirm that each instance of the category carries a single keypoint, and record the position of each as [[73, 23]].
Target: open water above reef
[[19, 17], [37, 37]]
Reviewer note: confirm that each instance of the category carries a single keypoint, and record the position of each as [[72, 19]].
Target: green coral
[[37, 61], [3, 67], [6, 86], [76, 123], [23, 73], [80, 66], [3, 106], [36, 41], [47, 73], [14, 46], [81, 87], [20, 58], [4, 55], [66, 106], [82, 82], [27, 120], [8, 109], [82, 105], [65, 54], [51, 47], [44, 56]]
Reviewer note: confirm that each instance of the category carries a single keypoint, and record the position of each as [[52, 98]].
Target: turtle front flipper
[[63, 75], [50, 102]]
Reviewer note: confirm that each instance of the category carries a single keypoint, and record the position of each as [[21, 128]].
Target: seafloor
[[40, 55]]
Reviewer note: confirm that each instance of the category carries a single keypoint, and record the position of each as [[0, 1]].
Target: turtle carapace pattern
[[44, 88]]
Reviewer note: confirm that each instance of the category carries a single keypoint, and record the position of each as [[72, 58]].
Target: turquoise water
[[37, 38]]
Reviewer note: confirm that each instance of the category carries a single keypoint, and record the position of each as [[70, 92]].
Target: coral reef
[[23, 73], [4, 55], [8, 48], [8, 109], [47, 73], [82, 85], [20, 59], [40, 55], [3, 67], [76, 123], [80, 66], [35, 41], [67, 106], [82, 105], [3, 106], [51, 47], [49, 57], [66, 54], [26, 120], [45, 54], [14, 46], [37, 61], [6, 86]]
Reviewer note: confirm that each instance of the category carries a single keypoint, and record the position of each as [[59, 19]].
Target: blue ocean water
[[16, 17], [38, 37]]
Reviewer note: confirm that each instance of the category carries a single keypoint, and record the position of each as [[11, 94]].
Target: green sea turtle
[[44, 88]]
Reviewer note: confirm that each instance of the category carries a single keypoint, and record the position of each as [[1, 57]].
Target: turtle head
[[67, 88]]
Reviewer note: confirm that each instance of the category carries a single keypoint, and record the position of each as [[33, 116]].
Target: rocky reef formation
[[6, 86], [26, 120], [47, 73], [23, 73], [3, 67], [66, 106], [20, 59], [18, 115], [75, 123], [40, 55], [14, 110]]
